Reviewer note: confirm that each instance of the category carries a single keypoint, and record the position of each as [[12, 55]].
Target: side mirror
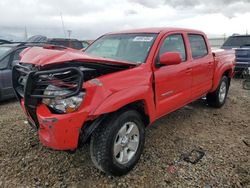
[[170, 58]]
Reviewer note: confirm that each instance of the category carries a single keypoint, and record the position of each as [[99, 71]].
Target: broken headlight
[[62, 105]]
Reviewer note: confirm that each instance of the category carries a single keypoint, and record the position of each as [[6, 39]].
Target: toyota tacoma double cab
[[120, 85]]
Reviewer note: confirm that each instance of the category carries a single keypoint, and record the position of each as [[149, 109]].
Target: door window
[[17, 53], [4, 62], [174, 43], [198, 46], [16, 57]]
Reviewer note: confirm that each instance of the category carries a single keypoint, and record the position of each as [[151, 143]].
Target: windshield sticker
[[143, 39]]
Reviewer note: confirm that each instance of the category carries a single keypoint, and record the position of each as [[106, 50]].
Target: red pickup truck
[[121, 84]]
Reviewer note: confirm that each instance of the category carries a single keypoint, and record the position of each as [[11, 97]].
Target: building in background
[[217, 42]]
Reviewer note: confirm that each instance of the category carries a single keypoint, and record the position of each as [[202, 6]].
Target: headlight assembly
[[66, 105]]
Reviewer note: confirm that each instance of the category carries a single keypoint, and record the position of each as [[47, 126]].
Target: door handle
[[188, 70], [210, 64]]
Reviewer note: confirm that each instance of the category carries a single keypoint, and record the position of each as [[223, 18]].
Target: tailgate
[[243, 56]]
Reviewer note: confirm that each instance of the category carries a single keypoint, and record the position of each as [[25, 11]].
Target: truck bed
[[224, 55]]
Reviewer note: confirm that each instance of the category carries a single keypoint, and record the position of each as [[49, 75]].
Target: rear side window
[[60, 43], [68, 43], [76, 45], [198, 45], [174, 43]]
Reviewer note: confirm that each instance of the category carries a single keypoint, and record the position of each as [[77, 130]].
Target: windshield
[[237, 41], [4, 50], [125, 47]]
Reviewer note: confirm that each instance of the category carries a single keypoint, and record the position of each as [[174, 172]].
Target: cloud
[[130, 12], [90, 19], [228, 8]]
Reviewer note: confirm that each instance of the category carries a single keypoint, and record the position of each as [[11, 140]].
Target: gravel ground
[[223, 134]]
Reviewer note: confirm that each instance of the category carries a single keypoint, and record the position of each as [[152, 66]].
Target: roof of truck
[[155, 30]]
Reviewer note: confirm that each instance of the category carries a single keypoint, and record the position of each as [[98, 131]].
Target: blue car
[[241, 44]]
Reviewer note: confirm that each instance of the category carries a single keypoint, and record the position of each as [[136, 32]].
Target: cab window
[[198, 46], [174, 43]]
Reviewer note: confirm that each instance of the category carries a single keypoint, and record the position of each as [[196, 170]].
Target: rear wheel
[[117, 144], [218, 97]]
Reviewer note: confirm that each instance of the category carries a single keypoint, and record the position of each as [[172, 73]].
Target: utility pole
[[69, 33]]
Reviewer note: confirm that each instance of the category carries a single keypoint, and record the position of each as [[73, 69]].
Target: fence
[[217, 42]]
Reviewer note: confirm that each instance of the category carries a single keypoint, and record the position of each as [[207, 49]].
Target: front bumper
[[59, 131]]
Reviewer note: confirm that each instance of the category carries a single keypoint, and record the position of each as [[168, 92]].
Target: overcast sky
[[90, 19]]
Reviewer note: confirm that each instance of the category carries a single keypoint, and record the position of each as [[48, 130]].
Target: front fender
[[126, 96]]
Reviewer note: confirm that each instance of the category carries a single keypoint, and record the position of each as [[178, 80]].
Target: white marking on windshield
[[142, 39]]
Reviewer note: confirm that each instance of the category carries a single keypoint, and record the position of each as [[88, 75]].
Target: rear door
[[5, 78], [173, 82], [202, 64]]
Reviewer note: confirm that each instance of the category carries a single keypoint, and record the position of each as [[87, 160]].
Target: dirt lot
[[224, 135]]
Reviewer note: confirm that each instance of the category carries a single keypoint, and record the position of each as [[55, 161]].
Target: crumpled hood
[[42, 56]]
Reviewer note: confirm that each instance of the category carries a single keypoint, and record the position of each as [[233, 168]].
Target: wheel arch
[[141, 108], [228, 72], [139, 98], [90, 126]]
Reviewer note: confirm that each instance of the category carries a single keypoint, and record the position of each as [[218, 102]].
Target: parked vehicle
[[71, 43], [120, 85], [2, 41], [246, 81], [9, 53], [85, 44], [241, 45]]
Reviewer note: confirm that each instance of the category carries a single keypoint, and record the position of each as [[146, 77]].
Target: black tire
[[246, 84], [103, 139], [213, 99]]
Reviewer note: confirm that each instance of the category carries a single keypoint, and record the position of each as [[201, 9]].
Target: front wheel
[[218, 97], [117, 144]]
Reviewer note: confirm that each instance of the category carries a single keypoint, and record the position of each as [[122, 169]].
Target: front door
[[173, 82]]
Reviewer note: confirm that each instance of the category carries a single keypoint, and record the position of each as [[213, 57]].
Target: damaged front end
[[45, 95], [53, 99], [52, 87]]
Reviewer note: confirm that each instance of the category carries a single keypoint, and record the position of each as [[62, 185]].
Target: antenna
[[63, 27]]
